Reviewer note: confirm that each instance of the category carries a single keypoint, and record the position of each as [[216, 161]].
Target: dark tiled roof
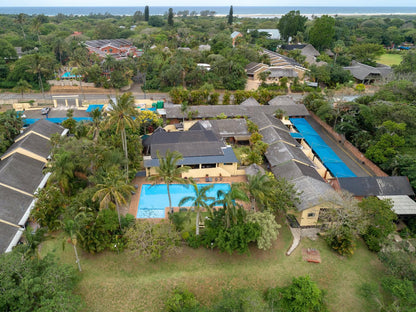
[[43, 127], [282, 100], [113, 42], [7, 232], [282, 72], [362, 71], [227, 128], [254, 67], [312, 192], [195, 142], [280, 152], [376, 186], [13, 205], [32, 143], [272, 135], [291, 47], [227, 156], [292, 170], [21, 172], [250, 102]]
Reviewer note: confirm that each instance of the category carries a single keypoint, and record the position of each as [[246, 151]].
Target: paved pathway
[[297, 234]]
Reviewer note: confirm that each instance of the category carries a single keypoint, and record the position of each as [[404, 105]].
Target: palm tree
[[38, 68], [259, 187], [169, 172], [36, 24], [97, 117], [62, 168], [228, 201], [114, 190], [33, 240], [122, 114], [79, 60], [21, 19], [198, 201], [71, 228]]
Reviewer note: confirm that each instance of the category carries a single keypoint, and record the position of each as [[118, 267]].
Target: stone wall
[[351, 148]]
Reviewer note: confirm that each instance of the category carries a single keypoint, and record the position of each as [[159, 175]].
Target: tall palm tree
[[79, 60], [71, 228], [122, 114], [21, 19], [259, 187], [97, 118], [38, 67], [169, 172], [228, 201], [114, 190], [36, 24], [198, 201]]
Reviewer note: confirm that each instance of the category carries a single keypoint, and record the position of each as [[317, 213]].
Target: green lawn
[[111, 282], [390, 59]]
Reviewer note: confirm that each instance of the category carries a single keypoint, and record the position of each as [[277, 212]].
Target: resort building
[[397, 189], [368, 74], [21, 176], [118, 48], [306, 50], [202, 151]]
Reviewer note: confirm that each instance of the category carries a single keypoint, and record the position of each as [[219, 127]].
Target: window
[[311, 214], [208, 166], [228, 164], [111, 50]]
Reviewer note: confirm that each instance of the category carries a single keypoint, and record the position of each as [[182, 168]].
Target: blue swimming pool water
[[154, 199]]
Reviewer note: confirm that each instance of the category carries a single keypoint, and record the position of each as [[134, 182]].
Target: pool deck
[[139, 181]]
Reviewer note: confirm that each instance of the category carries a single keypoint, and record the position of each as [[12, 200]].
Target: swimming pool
[[154, 199]]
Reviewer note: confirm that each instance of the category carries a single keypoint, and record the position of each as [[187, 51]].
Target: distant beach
[[241, 11]]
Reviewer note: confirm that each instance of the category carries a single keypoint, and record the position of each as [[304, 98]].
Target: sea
[[253, 11]]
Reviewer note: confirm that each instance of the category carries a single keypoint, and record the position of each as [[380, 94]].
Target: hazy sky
[[376, 3]]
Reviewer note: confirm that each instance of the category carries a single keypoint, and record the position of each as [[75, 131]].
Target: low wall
[[351, 148], [64, 83]]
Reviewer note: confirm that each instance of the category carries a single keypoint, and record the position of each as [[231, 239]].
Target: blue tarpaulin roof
[[29, 121], [296, 135], [93, 107], [330, 160]]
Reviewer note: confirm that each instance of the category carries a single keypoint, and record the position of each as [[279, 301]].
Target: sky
[[376, 3]]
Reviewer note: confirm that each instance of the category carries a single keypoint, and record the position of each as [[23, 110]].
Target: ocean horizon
[[219, 10]]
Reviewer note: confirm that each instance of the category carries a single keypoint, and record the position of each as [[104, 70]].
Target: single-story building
[[202, 151], [368, 74]]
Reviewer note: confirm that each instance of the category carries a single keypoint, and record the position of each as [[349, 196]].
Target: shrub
[[303, 295], [341, 241], [181, 301], [151, 240]]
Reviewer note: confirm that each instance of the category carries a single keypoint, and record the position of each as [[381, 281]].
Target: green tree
[[36, 284], [36, 24], [97, 118], [241, 300], [7, 51], [379, 221], [198, 201], [291, 24], [169, 171], [21, 20], [22, 86], [230, 16], [170, 17], [146, 13], [181, 300], [114, 190], [152, 240], [71, 228], [303, 295], [228, 200], [10, 125], [121, 114], [407, 65], [268, 227], [322, 32], [367, 52], [62, 169], [259, 187]]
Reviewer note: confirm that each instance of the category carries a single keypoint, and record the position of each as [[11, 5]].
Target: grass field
[[390, 59], [112, 282]]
